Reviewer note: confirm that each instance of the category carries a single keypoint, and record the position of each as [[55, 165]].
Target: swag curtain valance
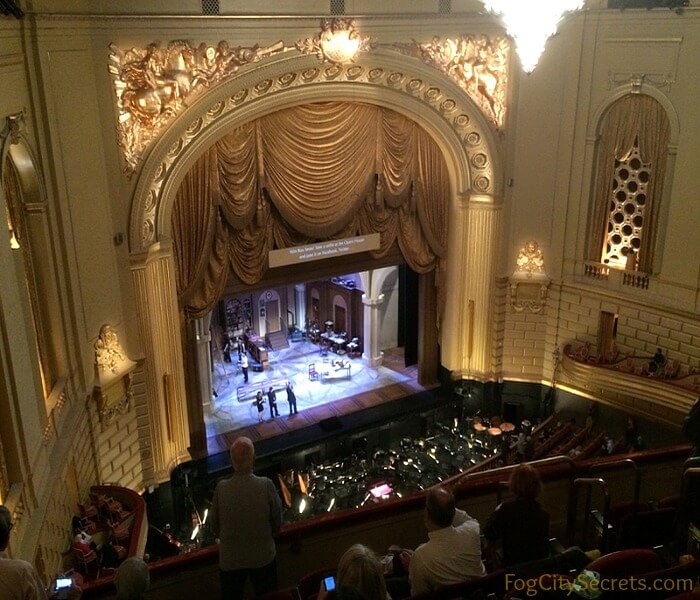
[[309, 173]]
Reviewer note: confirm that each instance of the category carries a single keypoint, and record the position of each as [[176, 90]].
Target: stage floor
[[227, 418]]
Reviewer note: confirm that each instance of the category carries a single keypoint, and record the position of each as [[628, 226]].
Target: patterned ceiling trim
[[478, 64], [453, 110]]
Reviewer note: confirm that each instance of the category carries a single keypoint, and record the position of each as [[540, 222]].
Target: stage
[[320, 397]]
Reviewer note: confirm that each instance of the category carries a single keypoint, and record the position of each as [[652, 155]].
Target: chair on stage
[[313, 373]]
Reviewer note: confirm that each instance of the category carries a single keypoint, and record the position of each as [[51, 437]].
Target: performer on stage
[[244, 367], [272, 399], [259, 404], [292, 399]]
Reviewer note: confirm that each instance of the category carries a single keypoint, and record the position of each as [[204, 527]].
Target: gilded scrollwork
[[478, 64], [154, 83], [338, 42]]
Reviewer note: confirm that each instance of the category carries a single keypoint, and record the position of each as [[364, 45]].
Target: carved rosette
[[451, 109], [155, 83], [529, 282], [338, 42], [113, 376]]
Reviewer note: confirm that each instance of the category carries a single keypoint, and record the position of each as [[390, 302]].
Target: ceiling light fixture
[[531, 24]]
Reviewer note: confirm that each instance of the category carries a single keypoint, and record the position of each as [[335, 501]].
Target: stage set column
[[153, 275], [300, 305], [202, 337], [372, 353]]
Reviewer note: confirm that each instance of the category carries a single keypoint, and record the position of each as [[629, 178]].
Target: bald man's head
[[242, 455], [440, 507]]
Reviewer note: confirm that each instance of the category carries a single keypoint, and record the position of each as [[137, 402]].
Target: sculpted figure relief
[[108, 350], [478, 64], [152, 84], [530, 258]]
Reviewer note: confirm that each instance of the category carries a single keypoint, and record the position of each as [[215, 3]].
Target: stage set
[[325, 386]]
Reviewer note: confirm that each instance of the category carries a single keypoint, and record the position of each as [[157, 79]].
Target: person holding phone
[[18, 578], [360, 576]]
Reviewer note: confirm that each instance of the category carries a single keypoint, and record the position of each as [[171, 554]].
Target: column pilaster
[[159, 328], [372, 353]]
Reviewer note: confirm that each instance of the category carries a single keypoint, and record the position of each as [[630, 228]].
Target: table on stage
[[337, 343]]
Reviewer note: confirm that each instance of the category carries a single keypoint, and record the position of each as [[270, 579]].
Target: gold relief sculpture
[[113, 376], [154, 83], [529, 282], [338, 42], [478, 64], [530, 259], [108, 351]]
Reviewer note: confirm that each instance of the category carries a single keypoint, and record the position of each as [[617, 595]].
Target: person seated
[[132, 579], [521, 524], [452, 553], [360, 575]]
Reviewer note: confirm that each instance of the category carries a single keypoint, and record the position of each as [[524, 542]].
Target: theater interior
[[459, 254]]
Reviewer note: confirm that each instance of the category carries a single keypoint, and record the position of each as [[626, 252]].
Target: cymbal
[[507, 427], [479, 427], [494, 431]]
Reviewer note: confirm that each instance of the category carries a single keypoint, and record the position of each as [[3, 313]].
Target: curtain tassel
[[378, 191]]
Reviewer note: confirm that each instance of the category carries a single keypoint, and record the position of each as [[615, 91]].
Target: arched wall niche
[[384, 78], [40, 259], [595, 130]]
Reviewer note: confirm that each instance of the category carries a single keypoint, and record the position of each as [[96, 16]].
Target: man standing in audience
[[246, 514], [452, 553]]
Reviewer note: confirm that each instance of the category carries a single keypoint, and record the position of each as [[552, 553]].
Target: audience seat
[[624, 563], [285, 594]]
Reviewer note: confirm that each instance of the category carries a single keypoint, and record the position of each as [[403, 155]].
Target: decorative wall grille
[[210, 7], [626, 220]]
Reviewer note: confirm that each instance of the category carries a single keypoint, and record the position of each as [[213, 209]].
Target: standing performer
[[259, 404], [292, 399], [244, 367], [272, 399]]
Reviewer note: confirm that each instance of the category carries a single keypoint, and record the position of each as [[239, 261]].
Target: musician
[[272, 399]]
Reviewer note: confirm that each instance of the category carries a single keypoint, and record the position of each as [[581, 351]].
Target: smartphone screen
[[329, 583], [63, 583]]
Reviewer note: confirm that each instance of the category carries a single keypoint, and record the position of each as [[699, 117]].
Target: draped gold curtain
[[310, 173], [634, 117]]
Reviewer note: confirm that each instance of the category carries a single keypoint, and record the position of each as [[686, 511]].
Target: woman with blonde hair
[[360, 575]]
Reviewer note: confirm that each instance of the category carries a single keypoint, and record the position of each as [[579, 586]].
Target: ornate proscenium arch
[[405, 85], [384, 78]]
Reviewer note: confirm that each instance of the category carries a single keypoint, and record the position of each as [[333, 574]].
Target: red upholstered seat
[[624, 563]]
